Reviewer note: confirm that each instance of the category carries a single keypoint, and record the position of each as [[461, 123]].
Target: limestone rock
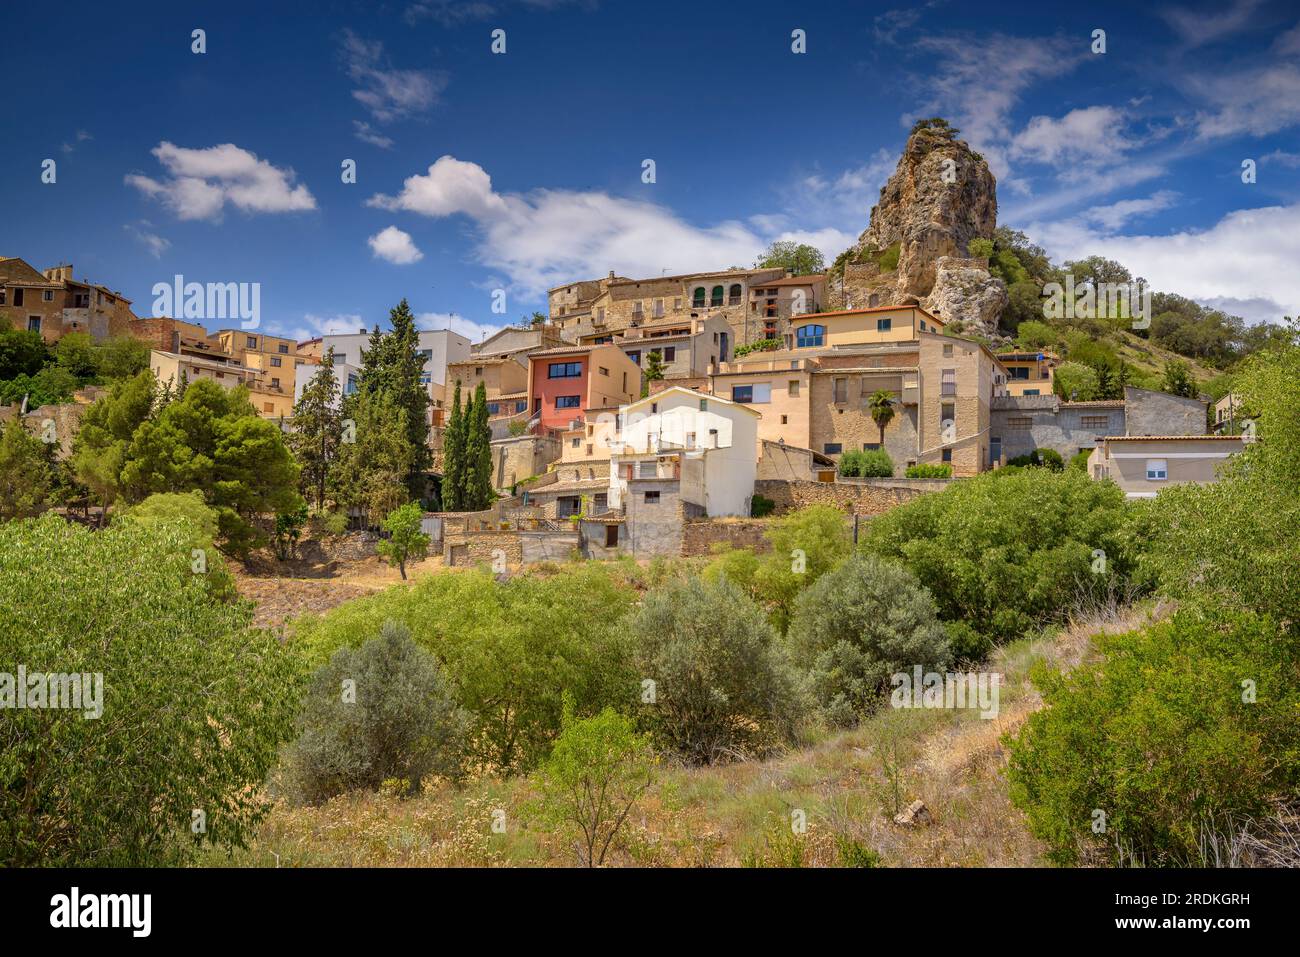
[[964, 291], [915, 814]]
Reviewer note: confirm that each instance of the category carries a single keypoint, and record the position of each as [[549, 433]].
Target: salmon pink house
[[564, 382]]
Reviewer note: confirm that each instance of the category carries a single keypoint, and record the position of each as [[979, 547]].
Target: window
[[611, 536], [478, 370], [33, 323], [1096, 421], [426, 354], [715, 298], [883, 325], [3, 295], [603, 370], [600, 314], [757, 392], [635, 356], [947, 350], [659, 308], [793, 388], [810, 335], [785, 420], [1019, 423], [652, 498], [18, 297], [697, 298], [251, 342], [833, 448], [947, 455], [568, 401], [48, 295], [275, 383], [677, 304], [494, 408], [574, 442], [1157, 470], [870, 446], [1019, 372], [840, 390], [283, 349], [636, 309], [670, 353], [1031, 392], [733, 296], [704, 405], [275, 361], [521, 405], [949, 384], [564, 370]]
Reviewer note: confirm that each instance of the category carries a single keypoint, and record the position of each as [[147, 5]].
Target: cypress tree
[[453, 457], [478, 453]]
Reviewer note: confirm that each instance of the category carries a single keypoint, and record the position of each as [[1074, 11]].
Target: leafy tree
[[1076, 382], [597, 770], [881, 407], [405, 541], [654, 370], [121, 357], [858, 625], [22, 353], [1178, 380], [802, 259], [478, 493], [380, 712], [371, 471], [197, 523], [194, 703], [1004, 576], [100, 448], [288, 529], [214, 441], [1035, 335], [318, 429], [723, 688], [50, 386], [26, 477], [980, 248], [77, 355], [453, 456]]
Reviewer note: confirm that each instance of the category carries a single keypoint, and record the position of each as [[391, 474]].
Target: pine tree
[[405, 371], [371, 472], [654, 370], [478, 453], [317, 428], [453, 457]]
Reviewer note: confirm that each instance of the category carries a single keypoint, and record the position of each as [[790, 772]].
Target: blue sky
[[478, 172]]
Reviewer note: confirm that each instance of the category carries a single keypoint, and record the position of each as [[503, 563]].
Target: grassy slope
[[733, 814]]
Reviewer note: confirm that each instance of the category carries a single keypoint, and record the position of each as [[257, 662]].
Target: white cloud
[[143, 233], [368, 134], [1248, 257], [389, 94], [1197, 29], [977, 82], [1115, 215], [473, 331], [547, 237], [1091, 136], [81, 137], [1281, 158], [314, 325], [1258, 100], [202, 181], [394, 246]]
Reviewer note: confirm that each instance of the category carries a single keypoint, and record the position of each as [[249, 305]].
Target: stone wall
[[1157, 413], [700, 537], [65, 416], [521, 457], [865, 497], [482, 547]]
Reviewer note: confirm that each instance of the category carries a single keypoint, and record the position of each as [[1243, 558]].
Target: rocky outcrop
[[965, 292], [915, 248]]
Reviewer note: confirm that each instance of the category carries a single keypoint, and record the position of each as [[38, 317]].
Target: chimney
[[789, 274], [611, 274]]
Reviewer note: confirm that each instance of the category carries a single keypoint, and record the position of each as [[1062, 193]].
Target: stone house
[[687, 347], [54, 303]]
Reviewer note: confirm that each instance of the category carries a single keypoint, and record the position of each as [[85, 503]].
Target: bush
[[195, 704], [188, 513], [929, 470], [871, 463], [1159, 737], [509, 649], [375, 713], [593, 778], [1004, 552], [851, 463], [760, 506], [965, 643], [26, 474], [859, 624], [723, 688], [50, 386], [1079, 461], [1040, 458]]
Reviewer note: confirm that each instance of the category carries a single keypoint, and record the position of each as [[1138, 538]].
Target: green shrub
[[722, 686], [876, 463], [405, 541], [1160, 738], [26, 472], [859, 624], [195, 704], [929, 470], [1079, 461], [1039, 458], [888, 259], [1005, 552], [851, 463], [760, 506], [853, 853], [50, 386], [197, 522], [380, 712], [965, 643], [593, 778]]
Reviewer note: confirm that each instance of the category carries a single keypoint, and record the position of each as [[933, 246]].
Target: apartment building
[[171, 368], [439, 347], [505, 383], [54, 303], [1030, 373], [816, 392], [687, 347], [276, 361], [776, 303], [1142, 465], [565, 382], [605, 306]]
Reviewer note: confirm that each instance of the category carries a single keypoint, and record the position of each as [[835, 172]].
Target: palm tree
[[881, 406]]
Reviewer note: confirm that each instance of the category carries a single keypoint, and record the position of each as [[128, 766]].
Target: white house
[[439, 347], [707, 445]]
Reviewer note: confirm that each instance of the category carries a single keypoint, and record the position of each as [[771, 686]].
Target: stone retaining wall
[[852, 497], [700, 537]]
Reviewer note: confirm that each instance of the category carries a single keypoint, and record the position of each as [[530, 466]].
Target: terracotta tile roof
[[564, 351], [1173, 438], [792, 281]]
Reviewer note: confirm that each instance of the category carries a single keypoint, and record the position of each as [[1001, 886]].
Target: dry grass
[[848, 786]]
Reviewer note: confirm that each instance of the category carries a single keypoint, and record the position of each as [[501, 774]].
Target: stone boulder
[[964, 291]]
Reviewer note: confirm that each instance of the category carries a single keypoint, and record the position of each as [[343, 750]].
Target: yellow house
[[854, 327], [172, 367], [1029, 373]]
